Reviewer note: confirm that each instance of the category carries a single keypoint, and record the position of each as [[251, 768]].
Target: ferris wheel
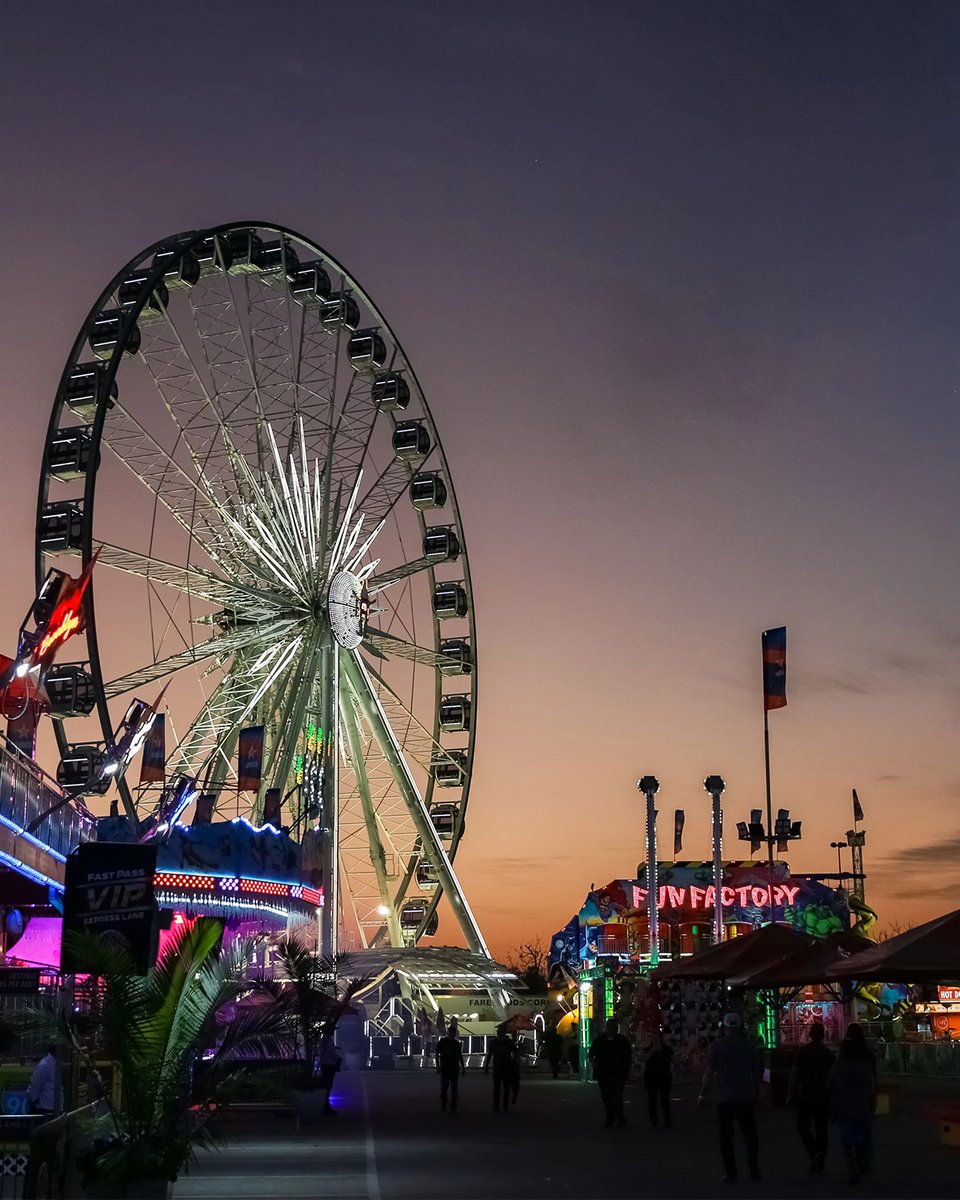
[[240, 441]]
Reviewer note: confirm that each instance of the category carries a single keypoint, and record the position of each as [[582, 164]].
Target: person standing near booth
[[44, 1093]]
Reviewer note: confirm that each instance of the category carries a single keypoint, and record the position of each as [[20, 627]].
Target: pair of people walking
[[841, 1088], [503, 1057]]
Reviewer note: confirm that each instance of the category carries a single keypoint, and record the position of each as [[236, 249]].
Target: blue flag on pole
[[774, 644]]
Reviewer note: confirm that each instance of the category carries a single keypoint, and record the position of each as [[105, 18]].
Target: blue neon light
[[30, 838], [23, 869]]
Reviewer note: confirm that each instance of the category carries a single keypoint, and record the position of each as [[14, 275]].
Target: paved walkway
[[389, 1141]]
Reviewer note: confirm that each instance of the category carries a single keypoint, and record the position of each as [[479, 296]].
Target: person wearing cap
[[734, 1067]]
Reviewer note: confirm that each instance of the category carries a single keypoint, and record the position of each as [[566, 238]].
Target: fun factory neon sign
[[706, 897]]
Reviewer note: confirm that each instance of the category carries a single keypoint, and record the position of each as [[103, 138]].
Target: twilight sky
[[680, 282]]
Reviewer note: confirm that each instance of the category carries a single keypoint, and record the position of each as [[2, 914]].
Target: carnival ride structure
[[240, 443]]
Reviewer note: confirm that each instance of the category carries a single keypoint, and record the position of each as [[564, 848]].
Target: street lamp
[[650, 785], [715, 785], [784, 831]]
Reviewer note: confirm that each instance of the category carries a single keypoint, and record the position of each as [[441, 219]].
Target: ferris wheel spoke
[[388, 645], [220, 646], [156, 468], [370, 705], [418, 742], [190, 580], [205, 745], [384, 578]]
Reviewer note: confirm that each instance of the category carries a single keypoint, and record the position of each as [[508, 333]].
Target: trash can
[[779, 1063]]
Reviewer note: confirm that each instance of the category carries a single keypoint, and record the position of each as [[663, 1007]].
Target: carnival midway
[[238, 753]]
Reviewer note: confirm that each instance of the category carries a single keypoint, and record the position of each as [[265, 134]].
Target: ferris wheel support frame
[[362, 688]]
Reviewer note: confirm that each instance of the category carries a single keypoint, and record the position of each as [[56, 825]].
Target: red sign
[[948, 995]]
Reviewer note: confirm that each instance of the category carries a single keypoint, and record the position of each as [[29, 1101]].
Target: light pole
[[650, 785], [838, 846], [715, 785]]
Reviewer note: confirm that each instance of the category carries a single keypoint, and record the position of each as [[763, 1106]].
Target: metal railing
[[15, 1133], [918, 1058], [27, 793]]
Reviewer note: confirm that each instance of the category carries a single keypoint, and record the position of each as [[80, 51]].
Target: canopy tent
[[928, 954], [809, 963], [749, 952]]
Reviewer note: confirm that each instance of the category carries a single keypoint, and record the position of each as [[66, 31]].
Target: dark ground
[[389, 1141]]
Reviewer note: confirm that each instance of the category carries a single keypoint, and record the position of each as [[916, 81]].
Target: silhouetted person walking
[[501, 1055], [735, 1066], [611, 1056], [658, 1079], [329, 1061], [852, 1088], [450, 1066], [553, 1048], [812, 1065]]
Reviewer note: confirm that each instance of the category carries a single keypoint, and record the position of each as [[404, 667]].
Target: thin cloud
[[908, 870]]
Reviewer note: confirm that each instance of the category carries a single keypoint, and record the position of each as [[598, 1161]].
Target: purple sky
[[679, 280]]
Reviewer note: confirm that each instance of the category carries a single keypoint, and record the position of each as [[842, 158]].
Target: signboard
[[109, 893], [19, 981], [948, 995]]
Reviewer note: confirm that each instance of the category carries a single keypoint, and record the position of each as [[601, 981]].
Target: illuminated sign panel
[[948, 995], [706, 897]]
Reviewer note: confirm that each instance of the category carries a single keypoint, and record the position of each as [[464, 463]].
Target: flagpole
[[766, 766]]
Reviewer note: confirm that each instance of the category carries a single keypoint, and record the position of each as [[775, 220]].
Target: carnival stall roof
[[808, 963], [748, 952], [928, 954]]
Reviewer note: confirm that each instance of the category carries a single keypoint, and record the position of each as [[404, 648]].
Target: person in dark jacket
[[501, 1055], [852, 1088], [812, 1065], [553, 1048], [658, 1079], [611, 1056], [450, 1066], [734, 1066]]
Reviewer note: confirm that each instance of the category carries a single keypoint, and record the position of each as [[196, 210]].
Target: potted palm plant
[[319, 994], [161, 1032]]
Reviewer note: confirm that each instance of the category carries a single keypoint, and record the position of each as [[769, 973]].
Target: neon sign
[[69, 624], [697, 897]]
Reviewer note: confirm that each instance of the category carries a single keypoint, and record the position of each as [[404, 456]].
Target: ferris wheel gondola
[[240, 438]]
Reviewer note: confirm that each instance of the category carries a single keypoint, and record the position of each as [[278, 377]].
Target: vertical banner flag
[[857, 810], [250, 759], [678, 819], [22, 730], [154, 758], [774, 644], [203, 813], [271, 807]]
